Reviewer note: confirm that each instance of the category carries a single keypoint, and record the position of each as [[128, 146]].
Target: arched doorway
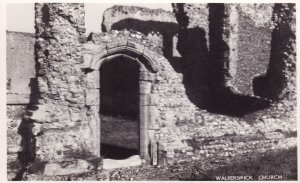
[[97, 56], [119, 108]]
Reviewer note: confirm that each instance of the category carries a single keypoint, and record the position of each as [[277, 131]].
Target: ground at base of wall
[[276, 165]]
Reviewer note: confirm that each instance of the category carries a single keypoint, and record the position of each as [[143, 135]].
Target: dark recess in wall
[[119, 96], [119, 92]]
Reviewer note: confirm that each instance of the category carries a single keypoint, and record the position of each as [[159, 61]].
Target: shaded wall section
[[254, 45], [280, 80], [158, 25], [21, 90]]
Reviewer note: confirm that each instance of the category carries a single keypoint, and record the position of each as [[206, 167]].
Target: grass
[[283, 162]]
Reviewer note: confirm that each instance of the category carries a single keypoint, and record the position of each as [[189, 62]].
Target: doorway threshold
[[134, 160]]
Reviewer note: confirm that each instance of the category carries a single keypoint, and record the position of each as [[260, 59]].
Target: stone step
[[134, 160]]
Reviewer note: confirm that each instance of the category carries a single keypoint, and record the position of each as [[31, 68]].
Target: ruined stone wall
[[117, 16], [21, 91], [238, 54], [193, 43], [183, 127], [223, 48], [255, 28], [168, 101], [279, 83], [192, 16], [158, 25], [59, 120], [174, 89], [211, 134], [14, 115], [20, 67]]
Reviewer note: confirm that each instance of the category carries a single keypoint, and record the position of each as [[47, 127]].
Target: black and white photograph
[[104, 91]]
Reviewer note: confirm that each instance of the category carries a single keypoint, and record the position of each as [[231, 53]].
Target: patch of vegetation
[[283, 162]]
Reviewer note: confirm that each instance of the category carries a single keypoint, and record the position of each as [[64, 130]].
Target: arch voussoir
[[94, 55]]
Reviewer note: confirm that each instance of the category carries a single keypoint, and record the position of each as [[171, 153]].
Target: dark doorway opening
[[119, 108]]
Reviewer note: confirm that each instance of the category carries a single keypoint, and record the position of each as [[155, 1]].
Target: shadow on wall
[[272, 84], [205, 72], [119, 93], [27, 154], [28, 142], [167, 30]]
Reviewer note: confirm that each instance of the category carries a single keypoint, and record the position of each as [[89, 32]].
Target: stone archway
[[94, 57]]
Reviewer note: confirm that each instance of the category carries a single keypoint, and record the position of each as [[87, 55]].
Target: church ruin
[[186, 80]]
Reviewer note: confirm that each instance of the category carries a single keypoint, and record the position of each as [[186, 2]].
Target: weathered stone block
[[65, 168], [40, 115], [93, 80], [152, 57], [75, 115], [274, 135], [92, 97], [131, 161], [87, 60], [37, 128], [13, 98], [136, 46], [149, 99], [146, 76], [154, 152], [93, 48], [115, 45], [145, 87]]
